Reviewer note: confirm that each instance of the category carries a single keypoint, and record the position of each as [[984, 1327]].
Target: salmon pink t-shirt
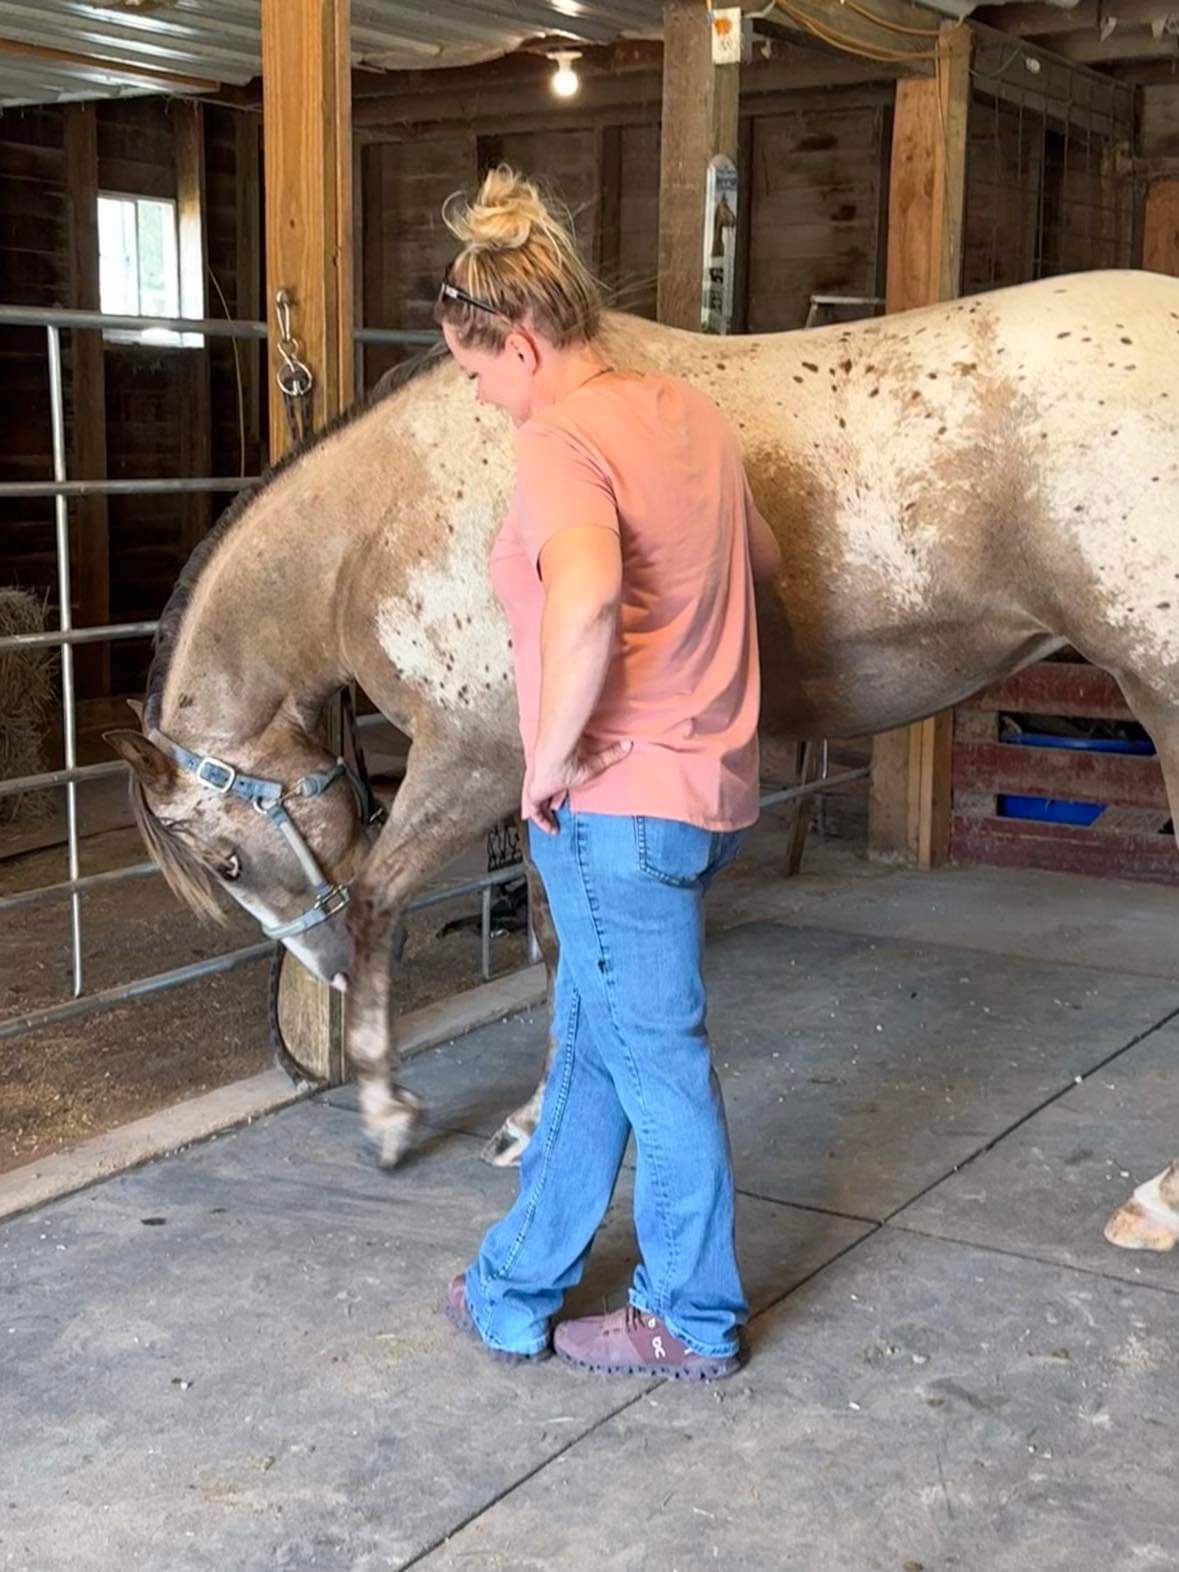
[[654, 461]]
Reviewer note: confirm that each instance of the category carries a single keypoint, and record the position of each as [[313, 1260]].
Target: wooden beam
[[90, 535], [112, 70], [1160, 233], [699, 121], [910, 797], [307, 130], [196, 439]]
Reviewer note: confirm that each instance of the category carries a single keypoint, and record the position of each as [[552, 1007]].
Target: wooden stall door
[[818, 187]]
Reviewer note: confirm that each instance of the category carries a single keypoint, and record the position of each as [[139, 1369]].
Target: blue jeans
[[631, 1053]]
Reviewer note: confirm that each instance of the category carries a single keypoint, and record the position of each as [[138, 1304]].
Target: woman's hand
[[548, 784]]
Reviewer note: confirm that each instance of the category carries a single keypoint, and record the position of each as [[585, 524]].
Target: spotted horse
[[958, 491]]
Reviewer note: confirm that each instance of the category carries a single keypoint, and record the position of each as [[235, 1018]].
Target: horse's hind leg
[[1149, 1220], [506, 1146]]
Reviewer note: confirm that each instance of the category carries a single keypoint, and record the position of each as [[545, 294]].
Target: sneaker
[[456, 1312], [631, 1342]]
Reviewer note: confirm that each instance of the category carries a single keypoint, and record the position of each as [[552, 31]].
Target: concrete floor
[[938, 1087]]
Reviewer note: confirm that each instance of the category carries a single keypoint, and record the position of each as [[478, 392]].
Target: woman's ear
[[520, 344]]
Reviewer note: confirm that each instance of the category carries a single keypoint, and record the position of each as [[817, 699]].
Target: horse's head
[[282, 827]]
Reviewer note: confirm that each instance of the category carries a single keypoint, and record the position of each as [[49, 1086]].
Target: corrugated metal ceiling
[[52, 50]]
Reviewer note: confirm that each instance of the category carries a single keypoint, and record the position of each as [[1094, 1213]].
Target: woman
[[625, 568]]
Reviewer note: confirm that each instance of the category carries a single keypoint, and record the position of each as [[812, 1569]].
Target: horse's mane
[[172, 617]]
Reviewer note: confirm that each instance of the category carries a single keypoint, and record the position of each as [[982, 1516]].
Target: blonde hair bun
[[503, 216]]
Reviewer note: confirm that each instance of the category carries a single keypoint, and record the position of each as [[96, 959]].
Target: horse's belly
[[845, 678]]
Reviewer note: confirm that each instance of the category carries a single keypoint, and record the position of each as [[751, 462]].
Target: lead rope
[[295, 378]]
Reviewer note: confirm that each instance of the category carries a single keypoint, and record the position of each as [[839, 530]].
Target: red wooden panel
[[1064, 848], [1057, 688], [1131, 781]]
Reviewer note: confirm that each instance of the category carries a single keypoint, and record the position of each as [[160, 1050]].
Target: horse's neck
[[260, 633]]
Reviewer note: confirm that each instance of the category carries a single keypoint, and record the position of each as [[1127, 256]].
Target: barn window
[[139, 265]]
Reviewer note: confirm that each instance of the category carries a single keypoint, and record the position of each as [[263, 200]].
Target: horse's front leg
[[442, 806], [506, 1146]]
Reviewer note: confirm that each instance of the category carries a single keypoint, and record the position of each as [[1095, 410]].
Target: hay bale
[[26, 692]]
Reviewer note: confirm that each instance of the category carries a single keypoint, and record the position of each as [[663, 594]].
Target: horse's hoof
[[505, 1148], [1132, 1227], [1149, 1220], [395, 1133]]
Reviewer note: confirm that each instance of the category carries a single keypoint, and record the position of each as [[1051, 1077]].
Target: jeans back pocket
[[674, 852]]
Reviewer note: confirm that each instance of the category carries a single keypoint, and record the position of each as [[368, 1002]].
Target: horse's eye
[[231, 869]]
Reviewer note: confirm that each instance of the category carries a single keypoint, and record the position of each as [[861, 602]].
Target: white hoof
[[506, 1147], [1147, 1221], [395, 1131]]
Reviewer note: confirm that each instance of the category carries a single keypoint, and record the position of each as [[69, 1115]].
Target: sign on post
[[720, 246]]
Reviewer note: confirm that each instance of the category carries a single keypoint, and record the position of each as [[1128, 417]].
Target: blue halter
[[269, 798]]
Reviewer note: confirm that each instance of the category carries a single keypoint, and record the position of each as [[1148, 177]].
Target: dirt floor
[[63, 1083]]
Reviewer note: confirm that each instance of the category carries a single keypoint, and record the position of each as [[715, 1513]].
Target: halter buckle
[[221, 787], [333, 900]]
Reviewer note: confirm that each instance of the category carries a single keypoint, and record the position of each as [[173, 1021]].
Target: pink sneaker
[[631, 1342], [456, 1312]]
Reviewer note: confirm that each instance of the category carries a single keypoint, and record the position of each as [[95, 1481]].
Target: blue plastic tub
[[1050, 809]]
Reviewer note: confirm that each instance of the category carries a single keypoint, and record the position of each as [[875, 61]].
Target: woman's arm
[[582, 573]]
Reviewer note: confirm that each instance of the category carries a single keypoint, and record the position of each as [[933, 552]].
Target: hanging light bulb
[[565, 80]]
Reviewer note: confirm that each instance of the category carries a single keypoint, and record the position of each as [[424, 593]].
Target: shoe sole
[[502, 1356], [713, 1370]]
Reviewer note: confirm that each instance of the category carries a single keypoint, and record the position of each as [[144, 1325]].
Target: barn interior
[[944, 985]]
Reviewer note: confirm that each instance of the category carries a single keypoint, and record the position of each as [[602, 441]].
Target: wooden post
[[1160, 228], [909, 805], [700, 104], [307, 141], [196, 436], [90, 537]]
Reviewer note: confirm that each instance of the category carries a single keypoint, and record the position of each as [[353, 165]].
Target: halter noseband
[[269, 798]]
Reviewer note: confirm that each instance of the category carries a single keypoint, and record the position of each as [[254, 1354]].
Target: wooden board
[[1065, 848], [1064, 774], [1056, 688]]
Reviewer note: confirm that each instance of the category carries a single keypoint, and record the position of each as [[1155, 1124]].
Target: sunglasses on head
[[450, 291]]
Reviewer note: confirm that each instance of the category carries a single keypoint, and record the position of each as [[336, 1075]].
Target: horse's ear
[[154, 769], [136, 708]]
